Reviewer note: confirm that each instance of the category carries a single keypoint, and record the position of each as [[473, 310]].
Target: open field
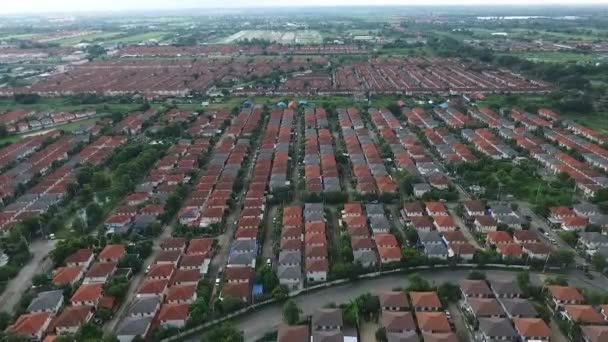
[[138, 38], [561, 57], [87, 38], [282, 37]]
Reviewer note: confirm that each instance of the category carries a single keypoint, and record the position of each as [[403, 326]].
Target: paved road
[[268, 224], [256, 324], [39, 263]]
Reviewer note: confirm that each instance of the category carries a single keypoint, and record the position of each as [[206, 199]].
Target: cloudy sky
[[29, 6]]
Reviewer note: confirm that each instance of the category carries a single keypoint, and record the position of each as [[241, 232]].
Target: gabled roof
[[112, 252], [173, 243], [45, 301], [519, 307], [497, 327], [565, 293], [66, 275], [146, 305], [236, 290], [153, 286], [199, 246], [433, 321], [87, 293], [395, 321], [80, 256], [29, 324], [475, 287], [595, 333], [133, 326], [427, 299], [439, 337], [505, 286], [393, 299], [101, 269], [174, 312], [161, 271], [584, 314], [485, 307], [532, 327], [182, 276], [72, 316], [327, 317], [293, 333], [239, 273], [386, 240]]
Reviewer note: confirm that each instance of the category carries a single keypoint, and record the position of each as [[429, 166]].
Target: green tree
[[448, 292], [224, 333], [599, 262], [291, 312], [417, 283]]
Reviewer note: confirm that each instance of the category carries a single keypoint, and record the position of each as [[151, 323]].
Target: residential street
[[39, 263], [266, 319]]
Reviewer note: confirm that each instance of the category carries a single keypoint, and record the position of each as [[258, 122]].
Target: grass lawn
[[561, 57], [89, 37], [598, 121], [10, 139]]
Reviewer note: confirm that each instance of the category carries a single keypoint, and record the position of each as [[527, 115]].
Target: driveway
[[39, 263]]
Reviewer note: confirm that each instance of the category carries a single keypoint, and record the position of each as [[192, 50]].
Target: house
[[386, 240], [168, 257], [439, 337], [421, 223], [181, 294], [316, 270], [393, 300], [71, 318], [465, 251], [174, 315], [293, 333], [420, 189], [558, 214], [429, 238], [160, 271], [425, 301], [389, 254], [433, 322], [112, 253], [132, 327], [290, 276], [374, 210], [444, 224], [81, 258], [484, 307], [505, 288], [518, 308], [485, 224], [412, 209], [496, 329], [526, 236], [475, 289], [436, 209], [379, 224], [174, 244], [585, 209], [474, 208], [118, 223], [198, 262], [592, 241], [314, 212], [564, 295], [67, 275], [498, 238], [437, 251], [200, 246], [582, 314], [145, 307], [48, 301], [241, 291], [87, 294], [536, 250], [510, 250], [454, 238], [238, 274], [32, 325], [532, 329], [352, 209], [152, 288], [576, 223], [398, 322], [186, 277], [100, 272], [594, 333], [327, 319]]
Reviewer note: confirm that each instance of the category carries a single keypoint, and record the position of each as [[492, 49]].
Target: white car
[[218, 280]]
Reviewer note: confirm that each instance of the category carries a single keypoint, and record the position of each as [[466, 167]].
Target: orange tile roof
[[433, 321], [153, 286], [565, 293], [66, 275], [79, 256], [532, 327], [112, 252], [584, 314], [72, 316], [173, 312], [29, 324], [180, 292], [87, 293], [425, 299], [509, 249]]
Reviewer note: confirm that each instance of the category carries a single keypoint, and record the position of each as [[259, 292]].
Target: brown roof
[[475, 287], [66, 275], [186, 276], [353, 208], [79, 256], [317, 265], [361, 243], [293, 333], [393, 299], [386, 240], [161, 271], [200, 246], [454, 237], [153, 286], [421, 222], [239, 273], [413, 207], [180, 292], [439, 337], [595, 333], [486, 221], [485, 307], [237, 290], [29, 324], [72, 316], [173, 312], [474, 206], [291, 244], [395, 321], [192, 260], [168, 256], [585, 314], [462, 248], [509, 249], [425, 299], [565, 293], [101, 269], [526, 235], [433, 321], [87, 293], [532, 327], [172, 243], [112, 252]]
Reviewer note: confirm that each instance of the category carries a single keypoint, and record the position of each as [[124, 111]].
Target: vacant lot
[[99, 36], [282, 37], [562, 57], [139, 38]]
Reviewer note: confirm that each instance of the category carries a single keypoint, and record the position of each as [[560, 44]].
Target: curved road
[[256, 324]]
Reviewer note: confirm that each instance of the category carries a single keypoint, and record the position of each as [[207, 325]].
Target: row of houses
[[165, 295], [145, 204], [24, 120], [448, 146], [489, 144], [50, 313], [52, 188], [320, 168], [208, 203], [22, 149]]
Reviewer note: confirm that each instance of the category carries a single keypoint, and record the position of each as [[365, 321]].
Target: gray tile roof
[[133, 326], [327, 317], [505, 287], [46, 301], [144, 305], [519, 307], [497, 327], [289, 272], [431, 237]]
